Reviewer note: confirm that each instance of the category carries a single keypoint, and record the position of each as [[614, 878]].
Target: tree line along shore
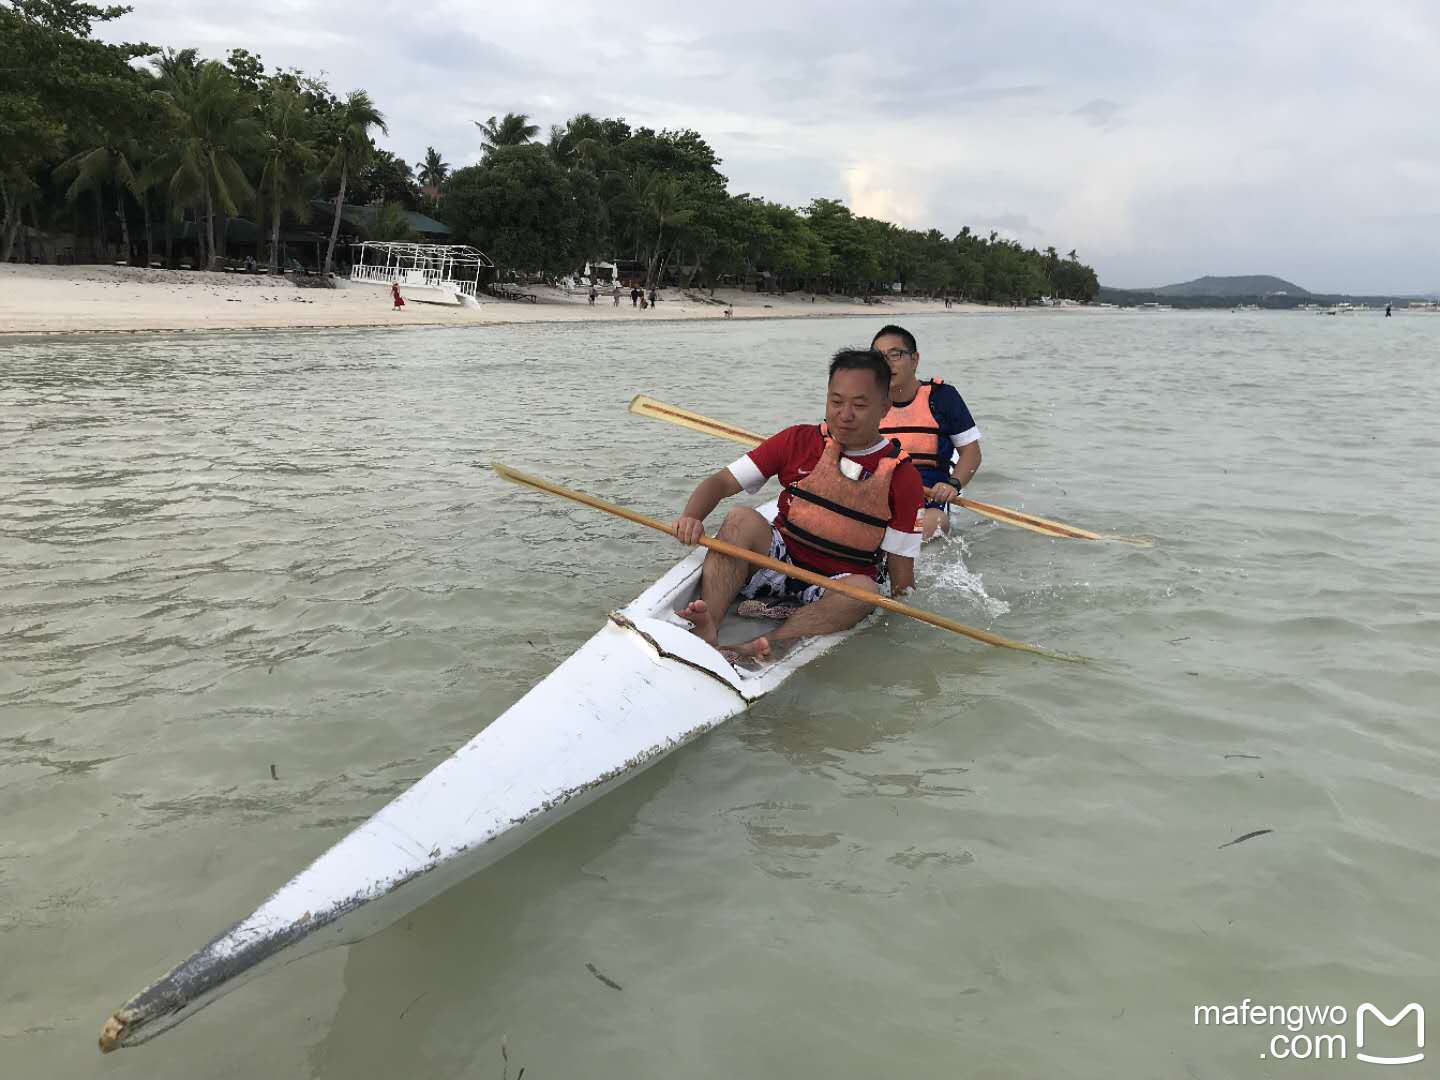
[[161, 157]]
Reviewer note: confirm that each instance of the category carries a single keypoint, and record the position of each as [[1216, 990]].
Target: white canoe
[[641, 687]]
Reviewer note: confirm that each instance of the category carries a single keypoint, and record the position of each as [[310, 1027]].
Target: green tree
[[55, 80], [93, 169], [723, 226], [384, 178], [580, 143], [353, 120], [854, 255], [798, 254], [1052, 267], [631, 162], [249, 72], [214, 130], [1076, 281], [514, 129], [434, 170], [519, 206], [584, 148], [290, 160], [663, 205]]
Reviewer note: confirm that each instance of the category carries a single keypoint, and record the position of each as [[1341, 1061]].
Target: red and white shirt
[[791, 455]]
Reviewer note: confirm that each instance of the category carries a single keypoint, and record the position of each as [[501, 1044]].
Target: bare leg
[[830, 614], [723, 575]]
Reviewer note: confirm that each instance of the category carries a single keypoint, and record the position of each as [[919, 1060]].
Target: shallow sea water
[[921, 857]]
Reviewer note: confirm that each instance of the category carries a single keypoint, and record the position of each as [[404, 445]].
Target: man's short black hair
[[900, 332], [862, 360]]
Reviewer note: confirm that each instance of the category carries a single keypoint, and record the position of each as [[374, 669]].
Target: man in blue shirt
[[932, 423]]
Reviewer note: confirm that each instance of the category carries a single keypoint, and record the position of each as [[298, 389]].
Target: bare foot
[[758, 649], [698, 613]]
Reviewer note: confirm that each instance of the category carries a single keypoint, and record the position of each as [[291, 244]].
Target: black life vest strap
[[916, 455], [836, 508], [828, 546]]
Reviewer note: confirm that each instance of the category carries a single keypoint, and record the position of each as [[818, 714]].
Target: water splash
[[945, 571]]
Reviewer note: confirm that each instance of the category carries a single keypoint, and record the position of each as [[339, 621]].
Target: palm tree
[[579, 148], [214, 127], [170, 68], [357, 115], [624, 206], [514, 130], [171, 64], [290, 157], [662, 206], [579, 143], [91, 170], [434, 171]]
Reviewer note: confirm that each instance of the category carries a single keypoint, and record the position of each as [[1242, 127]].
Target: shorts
[[773, 585]]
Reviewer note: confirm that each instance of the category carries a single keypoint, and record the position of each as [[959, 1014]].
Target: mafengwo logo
[[1321, 1032], [1368, 1010]]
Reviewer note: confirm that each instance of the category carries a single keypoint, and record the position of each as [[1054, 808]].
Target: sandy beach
[[121, 299]]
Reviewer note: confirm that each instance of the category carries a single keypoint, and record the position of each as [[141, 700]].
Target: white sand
[[69, 299]]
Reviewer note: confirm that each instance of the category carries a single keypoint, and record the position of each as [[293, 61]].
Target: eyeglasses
[[896, 353]]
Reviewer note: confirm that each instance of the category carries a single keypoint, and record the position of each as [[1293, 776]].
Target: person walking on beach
[[652, 298], [634, 296], [930, 421], [593, 295], [399, 301], [616, 290]]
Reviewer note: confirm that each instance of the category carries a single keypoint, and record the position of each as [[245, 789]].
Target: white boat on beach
[[641, 687], [426, 273]]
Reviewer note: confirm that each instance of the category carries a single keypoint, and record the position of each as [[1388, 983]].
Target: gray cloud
[[1262, 138], [1099, 112]]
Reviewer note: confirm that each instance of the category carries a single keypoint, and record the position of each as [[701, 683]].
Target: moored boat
[[638, 689], [425, 273]]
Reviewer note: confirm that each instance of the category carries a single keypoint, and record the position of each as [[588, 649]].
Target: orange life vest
[[841, 517], [917, 431]]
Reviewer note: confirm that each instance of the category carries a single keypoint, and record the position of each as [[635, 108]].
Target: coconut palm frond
[[513, 129]]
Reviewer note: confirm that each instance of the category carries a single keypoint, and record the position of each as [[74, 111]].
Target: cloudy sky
[[1163, 141]]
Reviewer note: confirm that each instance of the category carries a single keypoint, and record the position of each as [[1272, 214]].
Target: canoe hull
[[639, 689]]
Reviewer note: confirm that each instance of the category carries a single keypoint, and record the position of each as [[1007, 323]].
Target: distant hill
[[1231, 287]]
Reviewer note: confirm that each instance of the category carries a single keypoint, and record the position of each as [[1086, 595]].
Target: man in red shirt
[[848, 510]]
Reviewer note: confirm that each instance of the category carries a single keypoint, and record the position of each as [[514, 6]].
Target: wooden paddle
[[789, 570], [643, 405]]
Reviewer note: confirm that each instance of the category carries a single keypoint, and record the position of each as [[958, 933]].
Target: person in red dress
[[395, 295], [848, 510]]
